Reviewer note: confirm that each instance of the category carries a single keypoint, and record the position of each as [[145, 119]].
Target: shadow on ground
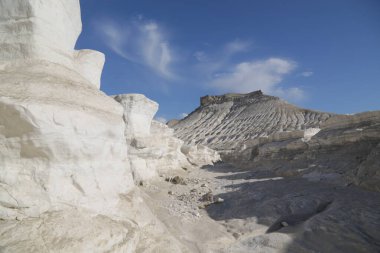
[[319, 217]]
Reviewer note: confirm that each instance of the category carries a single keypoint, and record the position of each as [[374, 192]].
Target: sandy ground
[[222, 209]]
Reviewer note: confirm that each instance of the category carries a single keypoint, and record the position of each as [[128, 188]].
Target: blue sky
[[322, 55]]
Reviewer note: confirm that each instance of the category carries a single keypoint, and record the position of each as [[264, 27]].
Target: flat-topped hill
[[222, 122]]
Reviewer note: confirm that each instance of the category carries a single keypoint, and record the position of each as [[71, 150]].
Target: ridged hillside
[[222, 122]]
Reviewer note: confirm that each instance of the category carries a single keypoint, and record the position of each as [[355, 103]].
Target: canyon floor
[[223, 209]]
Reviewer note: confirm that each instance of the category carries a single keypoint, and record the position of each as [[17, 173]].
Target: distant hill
[[222, 122]]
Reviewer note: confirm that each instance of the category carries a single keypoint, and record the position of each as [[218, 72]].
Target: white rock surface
[[65, 178], [153, 149], [138, 114], [62, 139], [37, 30], [200, 155], [68, 231]]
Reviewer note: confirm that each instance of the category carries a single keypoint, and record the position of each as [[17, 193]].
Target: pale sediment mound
[[223, 122]]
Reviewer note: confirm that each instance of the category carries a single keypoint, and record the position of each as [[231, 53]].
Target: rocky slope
[[306, 182], [223, 122], [265, 133], [344, 151]]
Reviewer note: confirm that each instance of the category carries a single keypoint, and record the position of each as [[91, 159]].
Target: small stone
[[178, 180], [193, 190], [170, 192], [208, 197], [184, 168], [141, 183], [219, 200], [284, 224], [204, 185]]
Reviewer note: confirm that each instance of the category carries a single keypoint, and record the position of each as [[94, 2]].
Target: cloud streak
[[265, 75], [139, 41], [307, 73]]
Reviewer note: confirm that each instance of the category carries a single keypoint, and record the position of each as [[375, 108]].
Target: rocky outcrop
[[265, 133], [343, 151], [138, 114], [65, 179], [45, 31], [51, 155], [224, 122], [153, 149], [200, 155]]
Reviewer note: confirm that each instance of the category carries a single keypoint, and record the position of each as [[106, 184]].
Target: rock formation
[[299, 178], [52, 154], [65, 180], [153, 149], [266, 133], [223, 122]]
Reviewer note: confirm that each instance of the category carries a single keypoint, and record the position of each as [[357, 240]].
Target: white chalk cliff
[[65, 179], [61, 138], [66, 183], [152, 147]]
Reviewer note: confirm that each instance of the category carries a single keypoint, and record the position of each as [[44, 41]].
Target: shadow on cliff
[[320, 217]]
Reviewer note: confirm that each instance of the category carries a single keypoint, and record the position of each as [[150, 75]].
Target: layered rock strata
[[63, 155], [52, 155], [344, 151], [153, 149], [223, 122]]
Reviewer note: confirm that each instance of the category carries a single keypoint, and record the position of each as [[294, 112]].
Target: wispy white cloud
[[139, 41], [265, 75], [291, 94], [307, 73], [211, 62], [200, 56], [237, 46]]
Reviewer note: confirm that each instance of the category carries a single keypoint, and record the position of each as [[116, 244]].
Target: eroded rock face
[[200, 155], [62, 140], [343, 151], [264, 133], [224, 122], [138, 114], [35, 30], [153, 149], [65, 178]]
